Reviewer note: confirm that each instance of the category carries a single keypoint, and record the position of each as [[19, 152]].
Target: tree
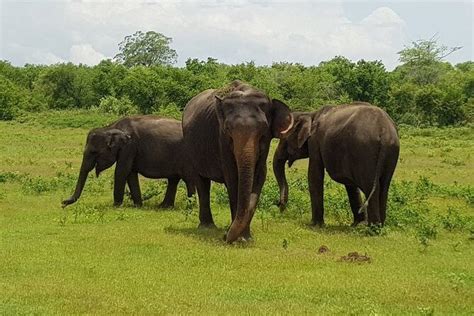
[[423, 61], [146, 49], [424, 52], [12, 99], [370, 83], [67, 86]]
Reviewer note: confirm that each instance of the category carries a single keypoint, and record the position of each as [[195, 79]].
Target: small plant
[[374, 230], [285, 243], [151, 189], [9, 176], [426, 310], [453, 162], [63, 218], [191, 203], [453, 220], [425, 233], [83, 213]]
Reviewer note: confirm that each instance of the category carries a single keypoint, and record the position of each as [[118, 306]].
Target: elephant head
[[291, 148], [101, 151], [248, 120]]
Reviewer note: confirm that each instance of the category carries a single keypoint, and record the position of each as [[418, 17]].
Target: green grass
[[95, 259]]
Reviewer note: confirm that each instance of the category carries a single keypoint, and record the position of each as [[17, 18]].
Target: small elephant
[[145, 144], [357, 144], [228, 134]]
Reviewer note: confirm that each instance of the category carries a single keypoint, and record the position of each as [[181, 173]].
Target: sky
[[307, 32]]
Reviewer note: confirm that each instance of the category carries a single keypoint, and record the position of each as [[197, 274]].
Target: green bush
[[12, 99], [122, 106], [170, 110]]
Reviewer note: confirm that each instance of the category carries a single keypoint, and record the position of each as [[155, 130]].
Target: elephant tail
[[378, 170]]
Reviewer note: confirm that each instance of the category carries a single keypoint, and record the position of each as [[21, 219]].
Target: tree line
[[422, 90]]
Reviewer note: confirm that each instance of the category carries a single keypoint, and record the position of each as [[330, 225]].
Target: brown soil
[[356, 257], [323, 249]]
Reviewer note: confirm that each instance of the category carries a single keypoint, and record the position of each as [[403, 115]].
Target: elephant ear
[[117, 138], [282, 119], [304, 129]]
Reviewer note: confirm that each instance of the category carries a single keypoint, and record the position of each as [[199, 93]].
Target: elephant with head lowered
[[144, 144], [358, 146], [227, 133]]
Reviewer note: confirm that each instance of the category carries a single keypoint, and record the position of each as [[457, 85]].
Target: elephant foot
[[138, 204], [281, 205], [117, 204], [317, 224], [241, 239], [359, 218], [210, 225], [166, 204]]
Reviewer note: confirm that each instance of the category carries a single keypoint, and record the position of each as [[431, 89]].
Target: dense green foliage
[[93, 258], [146, 49], [422, 91]]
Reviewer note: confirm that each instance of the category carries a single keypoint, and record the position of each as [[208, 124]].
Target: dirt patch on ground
[[323, 249], [356, 257]]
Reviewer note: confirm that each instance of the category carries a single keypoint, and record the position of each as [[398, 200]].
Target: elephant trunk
[[86, 166], [246, 158], [279, 160]]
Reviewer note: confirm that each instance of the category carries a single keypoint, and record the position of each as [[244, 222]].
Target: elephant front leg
[[205, 216], [170, 194], [134, 186], [119, 188], [316, 190], [122, 171], [355, 201]]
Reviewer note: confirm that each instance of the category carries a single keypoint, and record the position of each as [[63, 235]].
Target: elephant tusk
[[289, 127]]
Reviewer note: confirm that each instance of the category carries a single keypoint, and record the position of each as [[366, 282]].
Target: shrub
[[12, 99], [170, 110], [122, 106]]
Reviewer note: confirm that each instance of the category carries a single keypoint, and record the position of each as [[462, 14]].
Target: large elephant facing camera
[[144, 144], [356, 144], [227, 133]]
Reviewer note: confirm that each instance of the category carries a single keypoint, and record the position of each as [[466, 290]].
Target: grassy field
[[96, 259]]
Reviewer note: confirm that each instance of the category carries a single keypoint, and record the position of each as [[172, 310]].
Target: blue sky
[[86, 31]]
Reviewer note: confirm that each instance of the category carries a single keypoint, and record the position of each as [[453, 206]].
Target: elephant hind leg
[[373, 209], [355, 201], [384, 186], [170, 194], [203, 186]]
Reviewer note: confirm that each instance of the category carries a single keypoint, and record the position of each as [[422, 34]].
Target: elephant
[[228, 132], [144, 144], [357, 144]]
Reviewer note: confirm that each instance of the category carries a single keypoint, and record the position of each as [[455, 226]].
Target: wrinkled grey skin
[[356, 144], [145, 144], [228, 138]]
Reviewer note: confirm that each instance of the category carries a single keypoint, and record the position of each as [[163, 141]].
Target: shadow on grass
[[332, 229], [208, 235]]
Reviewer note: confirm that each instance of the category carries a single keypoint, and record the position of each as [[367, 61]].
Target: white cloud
[[232, 32], [85, 54], [45, 58]]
